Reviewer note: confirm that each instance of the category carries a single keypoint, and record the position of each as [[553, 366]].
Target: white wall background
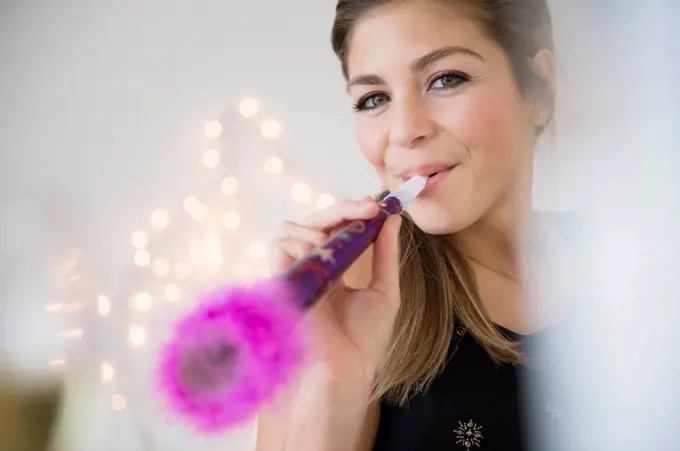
[[102, 107]]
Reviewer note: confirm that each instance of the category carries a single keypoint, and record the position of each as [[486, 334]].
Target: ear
[[543, 92]]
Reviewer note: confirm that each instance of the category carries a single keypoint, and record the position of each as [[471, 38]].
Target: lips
[[426, 170]]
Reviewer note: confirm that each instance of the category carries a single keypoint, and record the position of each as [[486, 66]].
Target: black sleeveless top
[[474, 404]]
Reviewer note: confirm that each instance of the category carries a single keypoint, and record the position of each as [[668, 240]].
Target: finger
[[302, 233], [342, 212], [288, 251], [385, 274]]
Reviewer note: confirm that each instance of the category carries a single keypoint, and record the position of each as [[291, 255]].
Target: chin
[[439, 219]]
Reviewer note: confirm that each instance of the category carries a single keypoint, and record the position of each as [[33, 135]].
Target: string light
[[143, 301], [142, 257], [213, 129], [211, 158], [161, 267], [231, 220], [208, 253], [172, 292], [57, 363], [196, 209], [301, 193], [106, 372], [190, 204], [273, 165], [64, 275], [324, 201], [229, 186], [213, 250], [137, 336], [103, 305], [118, 402], [257, 250], [53, 308], [248, 107], [159, 218], [139, 239], [271, 129]]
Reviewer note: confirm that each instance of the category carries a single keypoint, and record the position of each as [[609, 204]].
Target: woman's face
[[433, 94]]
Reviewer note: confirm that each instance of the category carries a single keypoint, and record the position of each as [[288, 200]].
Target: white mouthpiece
[[409, 190]]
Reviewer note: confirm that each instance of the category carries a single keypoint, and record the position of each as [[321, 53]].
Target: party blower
[[243, 342]]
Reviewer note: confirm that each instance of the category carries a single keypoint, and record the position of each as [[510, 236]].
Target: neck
[[500, 240]]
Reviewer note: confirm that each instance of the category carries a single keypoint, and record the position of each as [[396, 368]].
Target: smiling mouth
[[429, 176], [434, 174], [434, 179]]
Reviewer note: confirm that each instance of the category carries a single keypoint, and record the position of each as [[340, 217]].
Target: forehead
[[398, 33]]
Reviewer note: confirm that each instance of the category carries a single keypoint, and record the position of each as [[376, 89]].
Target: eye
[[449, 80], [371, 102]]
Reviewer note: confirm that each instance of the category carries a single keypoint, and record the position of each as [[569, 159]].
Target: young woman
[[419, 347]]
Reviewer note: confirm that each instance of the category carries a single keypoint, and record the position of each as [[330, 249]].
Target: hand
[[350, 328]]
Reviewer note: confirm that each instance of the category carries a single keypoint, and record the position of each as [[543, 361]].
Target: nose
[[411, 122]]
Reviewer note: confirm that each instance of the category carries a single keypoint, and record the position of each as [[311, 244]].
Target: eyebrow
[[417, 65]]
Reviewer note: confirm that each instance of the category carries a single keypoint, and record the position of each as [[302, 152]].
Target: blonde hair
[[438, 295]]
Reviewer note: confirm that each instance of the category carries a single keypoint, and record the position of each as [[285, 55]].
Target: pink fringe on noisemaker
[[231, 354]]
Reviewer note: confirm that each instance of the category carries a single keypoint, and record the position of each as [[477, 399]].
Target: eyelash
[[460, 76]]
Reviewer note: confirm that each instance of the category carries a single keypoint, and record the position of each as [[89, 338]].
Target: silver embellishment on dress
[[555, 429], [460, 331], [554, 411], [469, 434]]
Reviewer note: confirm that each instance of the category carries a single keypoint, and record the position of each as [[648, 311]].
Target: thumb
[[386, 258]]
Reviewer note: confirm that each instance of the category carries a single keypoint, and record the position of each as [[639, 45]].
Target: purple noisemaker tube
[[314, 273], [243, 342]]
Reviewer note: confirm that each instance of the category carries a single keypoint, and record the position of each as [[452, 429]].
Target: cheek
[[372, 142], [489, 125]]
